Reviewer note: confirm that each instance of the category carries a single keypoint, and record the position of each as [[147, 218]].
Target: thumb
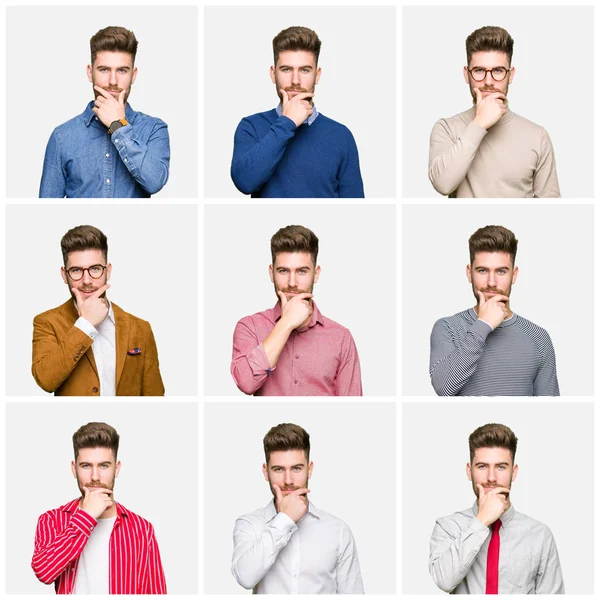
[[477, 95], [283, 299], [122, 98]]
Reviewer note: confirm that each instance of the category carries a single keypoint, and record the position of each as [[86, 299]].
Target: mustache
[[96, 485]]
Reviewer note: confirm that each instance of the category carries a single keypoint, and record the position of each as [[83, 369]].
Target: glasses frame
[[490, 71], [104, 267]]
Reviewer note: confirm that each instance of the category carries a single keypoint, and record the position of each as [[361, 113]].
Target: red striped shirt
[[134, 558]]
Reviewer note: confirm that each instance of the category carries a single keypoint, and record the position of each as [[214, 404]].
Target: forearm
[[454, 360], [255, 159], [148, 162], [450, 158], [451, 558], [255, 551], [55, 552], [275, 342], [54, 360]]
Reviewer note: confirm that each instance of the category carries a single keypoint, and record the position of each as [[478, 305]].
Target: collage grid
[[185, 444]]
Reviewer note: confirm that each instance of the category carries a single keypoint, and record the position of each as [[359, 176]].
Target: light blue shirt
[[84, 161], [309, 121]]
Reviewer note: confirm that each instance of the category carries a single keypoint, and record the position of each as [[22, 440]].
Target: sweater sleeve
[[546, 382], [254, 158], [454, 356], [545, 178], [350, 180], [450, 156]]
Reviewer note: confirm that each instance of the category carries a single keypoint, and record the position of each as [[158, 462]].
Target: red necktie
[[491, 575]]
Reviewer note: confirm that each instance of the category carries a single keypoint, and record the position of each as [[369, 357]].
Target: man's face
[[289, 469], [296, 72], [294, 273], [84, 259], [95, 468], [113, 72], [492, 273], [491, 467], [489, 60]]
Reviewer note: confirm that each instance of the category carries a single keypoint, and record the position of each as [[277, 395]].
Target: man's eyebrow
[[290, 67], [488, 464], [281, 466], [495, 268], [128, 68]]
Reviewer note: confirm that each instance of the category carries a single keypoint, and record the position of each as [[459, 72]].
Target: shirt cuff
[[482, 328], [284, 523], [259, 362], [474, 134], [86, 327]]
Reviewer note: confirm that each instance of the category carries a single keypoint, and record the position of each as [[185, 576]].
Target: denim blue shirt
[[84, 161]]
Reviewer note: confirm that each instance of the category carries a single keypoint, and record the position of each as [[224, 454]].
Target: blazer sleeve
[[54, 360], [152, 383]]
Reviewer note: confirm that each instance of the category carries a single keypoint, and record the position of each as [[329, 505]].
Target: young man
[[94, 545], [89, 346], [488, 350], [293, 151], [109, 150], [290, 546], [490, 548], [292, 349], [489, 151]]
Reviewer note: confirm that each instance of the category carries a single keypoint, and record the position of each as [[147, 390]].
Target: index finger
[[301, 492], [478, 95], [284, 96], [102, 91], [500, 298], [283, 298], [303, 95], [481, 300], [77, 295], [303, 296], [480, 492], [100, 291]]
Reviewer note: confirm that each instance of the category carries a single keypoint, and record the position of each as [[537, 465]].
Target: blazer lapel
[[69, 312], [122, 325]]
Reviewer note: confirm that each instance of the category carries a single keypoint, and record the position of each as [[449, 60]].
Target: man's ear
[[469, 472], [265, 472], [317, 273], [515, 274], [272, 72], [271, 273], [515, 471], [89, 73], [511, 75], [468, 272]]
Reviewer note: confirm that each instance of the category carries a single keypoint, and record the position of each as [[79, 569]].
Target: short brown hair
[[493, 435], [489, 39], [113, 39], [96, 435], [295, 238], [493, 238], [296, 38], [83, 237], [286, 436]]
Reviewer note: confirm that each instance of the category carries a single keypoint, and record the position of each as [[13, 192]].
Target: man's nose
[[295, 77], [491, 279], [288, 478], [95, 474], [489, 80], [86, 276], [112, 78], [492, 475], [292, 283]]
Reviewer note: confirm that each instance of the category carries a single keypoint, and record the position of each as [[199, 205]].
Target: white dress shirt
[[274, 555], [104, 349], [92, 575]]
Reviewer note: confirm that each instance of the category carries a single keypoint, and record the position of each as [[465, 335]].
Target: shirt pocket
[[521, 570]]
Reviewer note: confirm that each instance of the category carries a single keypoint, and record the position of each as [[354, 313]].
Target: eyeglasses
[[479, 73], [95, 272]]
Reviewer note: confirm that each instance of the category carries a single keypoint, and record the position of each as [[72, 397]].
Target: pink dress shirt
[[317, 360]]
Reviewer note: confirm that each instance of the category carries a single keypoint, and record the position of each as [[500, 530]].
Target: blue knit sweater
[[272, 158]]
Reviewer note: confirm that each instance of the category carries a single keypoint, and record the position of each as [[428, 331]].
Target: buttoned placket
[[108, 184], [295, 562]]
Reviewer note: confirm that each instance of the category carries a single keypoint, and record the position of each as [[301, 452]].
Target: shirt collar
[[309, 121], [271, 511], [505, 519], [316, 317], [89, 115]]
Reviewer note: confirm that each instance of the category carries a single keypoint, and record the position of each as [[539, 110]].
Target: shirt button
[[108, 181], [107, 155], [95, 118], [295, 381], [124, 160], [95, 390], [297, 356], [116, 140]]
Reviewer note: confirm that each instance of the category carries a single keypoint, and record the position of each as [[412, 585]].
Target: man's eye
[[75, 271], [501, 272], [499, 71], [479, 71], [302, 271]]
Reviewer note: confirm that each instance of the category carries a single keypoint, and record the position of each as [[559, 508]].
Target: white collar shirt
[[274, 555]]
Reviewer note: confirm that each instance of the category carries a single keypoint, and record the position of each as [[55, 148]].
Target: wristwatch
[[117, 124]]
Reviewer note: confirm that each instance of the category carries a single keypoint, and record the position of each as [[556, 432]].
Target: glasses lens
[[96, 271], [75, 273], [499, 73], [478, 74]]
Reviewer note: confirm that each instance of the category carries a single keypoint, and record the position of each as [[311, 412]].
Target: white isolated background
[[357, 86], [48, 49], [353, 447], [554, 75], [153, 250], [554, 289], [555, 483], [357, 250], [158, 451]]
